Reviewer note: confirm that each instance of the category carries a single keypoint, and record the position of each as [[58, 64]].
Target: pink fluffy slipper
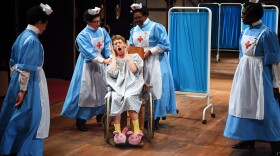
[[134, 139], [120, 138]]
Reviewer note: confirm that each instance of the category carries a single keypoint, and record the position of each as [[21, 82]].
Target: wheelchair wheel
[[106, 120], [150, 116]]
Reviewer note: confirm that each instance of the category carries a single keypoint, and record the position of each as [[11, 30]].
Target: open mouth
[[119, 49]]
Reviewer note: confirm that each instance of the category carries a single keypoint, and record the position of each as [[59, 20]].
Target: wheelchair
[[146, 113]]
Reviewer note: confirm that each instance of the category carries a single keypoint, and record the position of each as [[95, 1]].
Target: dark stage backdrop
[[59, 38], [120, 26], [7, 33]]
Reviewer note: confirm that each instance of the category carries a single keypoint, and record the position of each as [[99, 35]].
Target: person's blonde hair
[[117, 37]]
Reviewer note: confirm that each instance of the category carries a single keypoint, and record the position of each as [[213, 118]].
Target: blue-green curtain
[[215, 23], [268, 19], [230, 27], [189, 50]]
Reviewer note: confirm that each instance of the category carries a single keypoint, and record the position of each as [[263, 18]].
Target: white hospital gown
[[126, 86]]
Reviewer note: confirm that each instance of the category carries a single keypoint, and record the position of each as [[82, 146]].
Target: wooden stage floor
[[180, 134]]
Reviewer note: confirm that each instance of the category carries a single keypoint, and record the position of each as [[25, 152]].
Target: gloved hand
[[276, 94]]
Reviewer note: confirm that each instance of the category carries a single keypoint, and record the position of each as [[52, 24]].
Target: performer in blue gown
[[153, 38], [85, 97], [25, 114], [254, 112]]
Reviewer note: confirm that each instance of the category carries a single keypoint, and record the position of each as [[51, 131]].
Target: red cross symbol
[[97, 11], [248, 44], [99, 45], [134, 7], [140, 39]]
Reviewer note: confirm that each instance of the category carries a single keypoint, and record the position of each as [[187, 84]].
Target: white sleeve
[[156, 50], [98, 59], [276, 74], [23, 79]]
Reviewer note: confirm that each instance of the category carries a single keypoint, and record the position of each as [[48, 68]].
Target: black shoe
[[244, 145], [13, 154], [145, 124], [275, 153], [99, 118], [81, 124], [275, 147], [156, 124]]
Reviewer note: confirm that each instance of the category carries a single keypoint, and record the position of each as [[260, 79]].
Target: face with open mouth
[[119, 47]]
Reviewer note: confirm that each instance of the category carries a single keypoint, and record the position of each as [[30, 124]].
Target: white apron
[[93, 83], [152, 72], [43, 130], [247, 97], [44, 126]]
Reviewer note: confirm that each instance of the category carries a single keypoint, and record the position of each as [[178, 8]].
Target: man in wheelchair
[[125, 77]]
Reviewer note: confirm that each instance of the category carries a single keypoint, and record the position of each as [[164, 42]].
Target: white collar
[[92, 28], [256, 23], [33, 28], [146, 21]]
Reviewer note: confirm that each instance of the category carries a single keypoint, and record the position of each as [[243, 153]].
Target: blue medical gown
[[267, 129], [158, 37], [71, 108], [19, 125]]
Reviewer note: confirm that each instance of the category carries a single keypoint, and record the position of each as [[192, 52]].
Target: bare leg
[[134, 117]]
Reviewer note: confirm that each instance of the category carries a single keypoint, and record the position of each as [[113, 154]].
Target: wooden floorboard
[[182, 134]]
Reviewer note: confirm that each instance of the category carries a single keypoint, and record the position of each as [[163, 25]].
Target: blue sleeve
[[31, 55], [131, 37], [271, 47], [107, 41], [85, 46], [161, 37]]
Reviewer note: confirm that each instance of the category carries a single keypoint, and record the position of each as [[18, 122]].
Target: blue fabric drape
[[189, 56], [268, 19], [215, 23], [230, 27]]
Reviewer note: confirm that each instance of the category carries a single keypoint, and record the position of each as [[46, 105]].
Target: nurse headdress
[[46, 8], [136, 6], [94, 11]]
